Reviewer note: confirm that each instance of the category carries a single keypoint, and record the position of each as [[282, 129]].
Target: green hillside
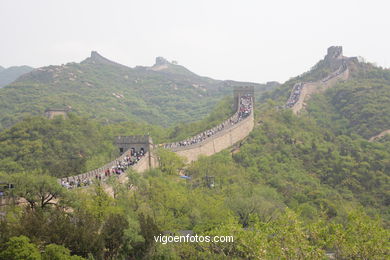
[[293, 190], [10, 74], [67, 147], [360, 105], [298, 187], [163, 94]]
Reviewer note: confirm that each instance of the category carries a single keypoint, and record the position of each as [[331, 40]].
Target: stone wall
[[143, 164], [219, 141], [52, 114], [136, 142], [211, 145]]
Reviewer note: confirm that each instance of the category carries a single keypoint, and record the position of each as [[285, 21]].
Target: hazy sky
[[241, 40]]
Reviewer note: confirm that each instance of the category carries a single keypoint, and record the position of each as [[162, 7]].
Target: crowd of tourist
[[295, 94], [243, 111], [119, 167], [297, 88]]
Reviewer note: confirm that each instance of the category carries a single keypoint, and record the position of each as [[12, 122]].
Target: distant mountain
[[10, 74], [164, 94]]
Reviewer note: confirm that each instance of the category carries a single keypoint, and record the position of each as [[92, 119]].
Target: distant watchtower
[[243, 91], [335, 52], [135, 142], [51, 113]]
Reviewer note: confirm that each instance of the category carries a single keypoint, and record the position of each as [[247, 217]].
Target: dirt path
[[379, 136]]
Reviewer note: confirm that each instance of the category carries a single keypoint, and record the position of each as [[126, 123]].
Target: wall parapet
[[218, 142], [234, 129], [231, 131], [221, 133]]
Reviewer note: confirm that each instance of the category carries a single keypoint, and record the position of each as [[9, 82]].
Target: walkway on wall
[[209, 142], [302, 91]]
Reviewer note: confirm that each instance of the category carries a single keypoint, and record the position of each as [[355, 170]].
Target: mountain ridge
[[10, 74], [100, 88]]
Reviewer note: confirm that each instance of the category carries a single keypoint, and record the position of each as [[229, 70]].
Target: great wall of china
[[302, 91], [230, 133], [233, 130]]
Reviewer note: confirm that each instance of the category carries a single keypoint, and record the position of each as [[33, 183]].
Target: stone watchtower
[[335, 52], [137, 143], [334, 57], [50, 113], [243, 91]]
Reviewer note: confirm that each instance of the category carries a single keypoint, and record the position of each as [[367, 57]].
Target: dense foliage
[[359, 105], [314, 168], [65, 147], [307, 187], [56, 147]]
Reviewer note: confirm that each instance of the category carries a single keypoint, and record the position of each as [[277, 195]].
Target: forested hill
[[8, 75], [359, 105], [307, 186], [164, 94]]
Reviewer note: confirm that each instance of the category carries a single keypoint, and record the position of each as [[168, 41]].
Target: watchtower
[[243, 91], [138, 143], [335, 52], [134, 142], [50, 113]]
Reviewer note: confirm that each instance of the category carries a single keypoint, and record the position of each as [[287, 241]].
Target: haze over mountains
[[167, 93], [164, 93], [8, 75]]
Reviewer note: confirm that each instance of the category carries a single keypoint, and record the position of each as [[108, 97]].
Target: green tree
[[38, 190], [361, 238], [170, 162], [113, 233], [20, 248], [58, 252]]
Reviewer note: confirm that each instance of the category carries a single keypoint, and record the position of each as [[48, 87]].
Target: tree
[[20, 248], [38, 190], [57, 252], [100, 202], [149, 229], [361, 238], [170, 162], [113, 234]]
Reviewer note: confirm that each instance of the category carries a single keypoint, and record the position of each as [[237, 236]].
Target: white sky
[[224, 39]]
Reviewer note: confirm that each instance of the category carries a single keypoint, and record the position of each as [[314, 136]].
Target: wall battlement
[[221, 140], [218, 142], [228, 136]]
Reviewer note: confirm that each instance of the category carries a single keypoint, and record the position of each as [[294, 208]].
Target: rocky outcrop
[[96, 58]]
